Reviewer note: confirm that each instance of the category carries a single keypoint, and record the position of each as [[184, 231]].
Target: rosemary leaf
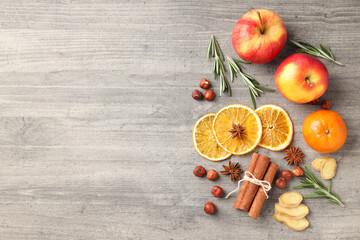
[[313, 195], [215, 52], [255, 93], [218, 50], [241, 61], [214, 68], [333, 201], [254, 86], [221, 66], [310, 181], [232, 74], [335, 195], [217, 65], [330, 53], [265, 88], [315, 181], [209, 51], [322, 52], [320, 193], [252, 99], [325, 50], [304, 185]]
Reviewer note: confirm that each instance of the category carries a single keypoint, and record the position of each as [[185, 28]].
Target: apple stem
[[308, 82], [261, 25]]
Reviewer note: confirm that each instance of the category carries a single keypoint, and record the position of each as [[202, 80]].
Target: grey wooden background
[[96, 118]]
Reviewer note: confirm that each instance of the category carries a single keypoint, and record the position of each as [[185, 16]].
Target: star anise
[[237, 130], [293, 155], [233, 170]]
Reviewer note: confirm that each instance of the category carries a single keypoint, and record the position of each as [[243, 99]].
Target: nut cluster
[[286, 175], [281, 182], [314, 102], [216, 191], [209, 95], [325, 104]]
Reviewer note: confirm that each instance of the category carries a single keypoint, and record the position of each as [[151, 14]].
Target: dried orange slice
[[204, 139], [277, 127], [237, 129]]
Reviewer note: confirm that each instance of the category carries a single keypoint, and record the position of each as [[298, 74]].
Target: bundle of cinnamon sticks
[[251, 197]]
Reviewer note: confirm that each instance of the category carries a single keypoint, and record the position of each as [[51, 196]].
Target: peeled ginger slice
[[294, 224], [317, 163], [328, 169], [290, 199], [297, 212]]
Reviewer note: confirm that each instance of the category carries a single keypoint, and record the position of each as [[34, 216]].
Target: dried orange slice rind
[[244, 116], [204, 139], [277, 127]]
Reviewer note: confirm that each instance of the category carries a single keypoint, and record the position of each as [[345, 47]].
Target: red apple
[[259, 36], [301, 78]]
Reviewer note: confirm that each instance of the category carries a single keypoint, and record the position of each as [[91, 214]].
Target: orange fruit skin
[[317, 124]]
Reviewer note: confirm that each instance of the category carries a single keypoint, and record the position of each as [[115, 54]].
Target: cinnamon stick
[[245, 184], [259, 171], [260, 195]]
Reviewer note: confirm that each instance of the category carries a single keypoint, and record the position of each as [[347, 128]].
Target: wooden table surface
[[96, 118]]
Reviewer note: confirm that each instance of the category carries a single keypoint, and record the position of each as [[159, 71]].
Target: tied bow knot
[[266, 186]]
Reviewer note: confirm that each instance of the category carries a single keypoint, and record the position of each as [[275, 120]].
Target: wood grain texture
[[96, 118]]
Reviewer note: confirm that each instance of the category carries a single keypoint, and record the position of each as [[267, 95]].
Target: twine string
[[251, 178]]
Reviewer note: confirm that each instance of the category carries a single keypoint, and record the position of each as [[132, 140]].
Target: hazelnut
[[325, 104], [199, 171], [209, 95], [212, 174], [197, 95], [298, 172], [209, 208], [286, 174], [204, 83], [280, 183], [217, 191], [314, 102]]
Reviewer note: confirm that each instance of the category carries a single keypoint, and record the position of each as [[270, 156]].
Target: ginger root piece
[[317, 163], [290, 199], [297, 212], [294, 224], [328, 169]]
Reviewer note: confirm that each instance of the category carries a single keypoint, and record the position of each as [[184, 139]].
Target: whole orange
[[324, 131]]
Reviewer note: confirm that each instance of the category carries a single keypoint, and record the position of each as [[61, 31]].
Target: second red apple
[[301, 78]]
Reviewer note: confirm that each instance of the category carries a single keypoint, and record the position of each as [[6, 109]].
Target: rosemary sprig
[[322, 52], [310, 181], [218, 67], [254, 86]]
